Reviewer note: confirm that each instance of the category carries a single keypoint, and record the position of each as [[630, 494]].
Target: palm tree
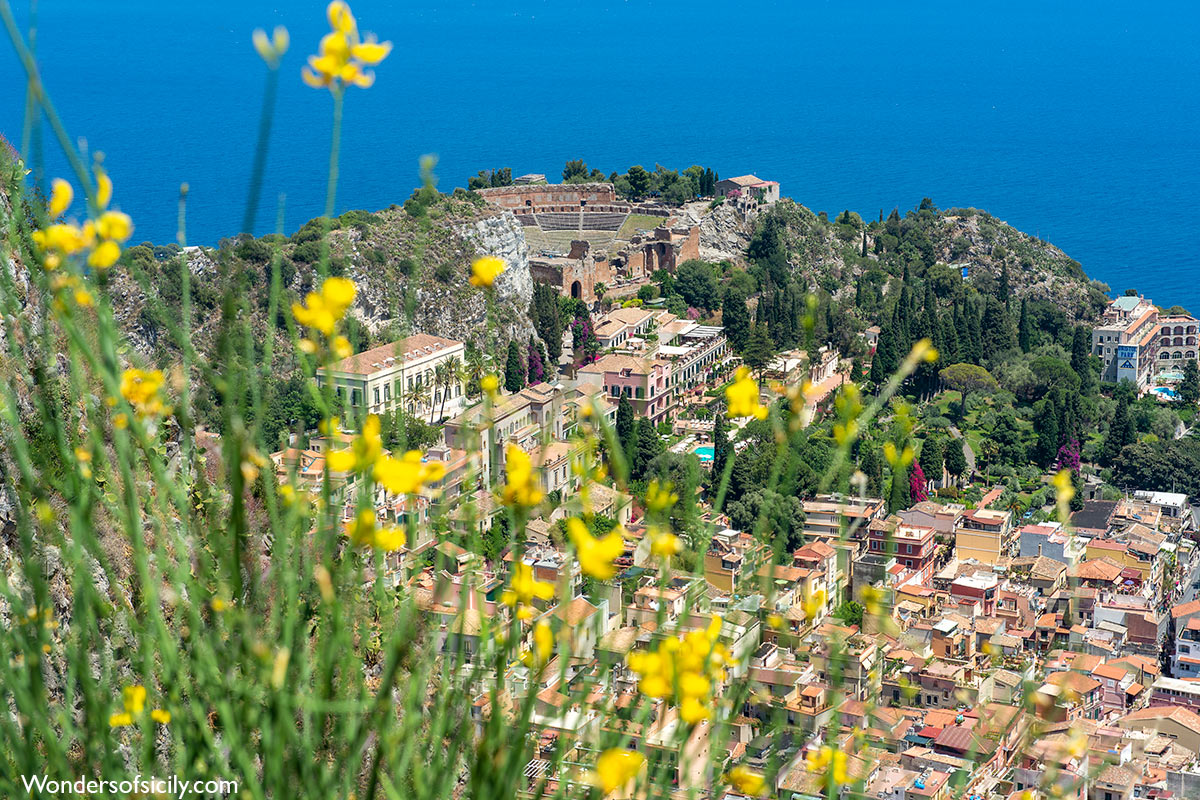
[[474, 369], [452, 375], [600, 290], [439, 378]]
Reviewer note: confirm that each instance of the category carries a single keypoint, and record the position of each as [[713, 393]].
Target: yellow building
[[985, 535]]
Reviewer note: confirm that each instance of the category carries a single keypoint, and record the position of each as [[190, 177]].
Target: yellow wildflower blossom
[[660, 498], [664, 544], [746, 781], [521, 488], [616, 767], [524, 589], [409, 474], [684, 670], [742, 397], [596, 555], [61, 196], [543, 646], [484, 271], [271, 49], [322, 311], [160, 716], [490, 384], [141, 389], [342, 56]]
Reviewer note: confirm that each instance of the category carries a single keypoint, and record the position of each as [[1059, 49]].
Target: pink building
[[646, 382]]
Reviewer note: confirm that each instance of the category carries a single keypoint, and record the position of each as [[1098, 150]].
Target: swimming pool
[[705, 452], [1170, 376], [1165, 391]]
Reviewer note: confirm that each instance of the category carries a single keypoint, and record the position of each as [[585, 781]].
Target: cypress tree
[[1081, 359], [1004, 290], [760, 348], [1045, 425], [626, 428], [997, 329], [1120, 433], [720, 446], [514, 369], [974, 345], [1024, 328]]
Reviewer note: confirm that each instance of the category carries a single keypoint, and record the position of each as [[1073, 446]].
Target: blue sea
[[1078, 122]]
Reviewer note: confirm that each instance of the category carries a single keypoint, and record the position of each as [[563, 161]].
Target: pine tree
[[760, 349], [514, 369], [736, 319], [1025, 328]]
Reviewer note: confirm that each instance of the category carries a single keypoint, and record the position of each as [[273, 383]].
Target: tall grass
[[141, 553]]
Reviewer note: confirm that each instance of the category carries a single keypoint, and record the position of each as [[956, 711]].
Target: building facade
[[411, 372]]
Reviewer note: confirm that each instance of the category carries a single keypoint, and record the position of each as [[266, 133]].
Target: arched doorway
[[576, 290]]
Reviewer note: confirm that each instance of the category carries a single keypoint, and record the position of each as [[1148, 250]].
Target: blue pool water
[[705, 452], [1060, 118], [1165, 391]]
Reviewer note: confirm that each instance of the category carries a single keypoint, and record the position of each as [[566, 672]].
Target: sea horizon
[[1037, 117]]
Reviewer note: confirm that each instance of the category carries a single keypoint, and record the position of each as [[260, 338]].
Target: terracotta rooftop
[[414, 348]]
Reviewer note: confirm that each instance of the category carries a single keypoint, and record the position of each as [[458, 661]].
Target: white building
[[377, 380]]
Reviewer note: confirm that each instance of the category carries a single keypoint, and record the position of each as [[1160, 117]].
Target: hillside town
[[929, 638]]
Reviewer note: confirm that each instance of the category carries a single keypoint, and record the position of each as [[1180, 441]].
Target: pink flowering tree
[[916, 484]]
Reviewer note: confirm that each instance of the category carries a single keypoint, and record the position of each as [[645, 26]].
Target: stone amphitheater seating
[[559, 221], [574, 220]]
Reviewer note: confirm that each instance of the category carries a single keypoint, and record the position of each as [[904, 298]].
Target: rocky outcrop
[[724, 234], [502, 236]]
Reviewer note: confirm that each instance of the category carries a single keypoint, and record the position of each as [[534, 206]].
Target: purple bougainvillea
[[1068, 456], [536, 370]]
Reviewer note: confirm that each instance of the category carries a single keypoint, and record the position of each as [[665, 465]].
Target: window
[[908, 548], [376, 395]]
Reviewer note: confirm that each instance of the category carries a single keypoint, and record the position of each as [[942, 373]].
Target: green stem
[[335, 144], [260, 151]]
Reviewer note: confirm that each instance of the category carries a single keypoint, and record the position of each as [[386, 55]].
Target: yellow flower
[[543, 646], [774, 621], [361, 529], [490, 384], [484, 271], [340, 347], [389, 539], [407, 475], [134, 699], [813, 604], [105, 255], [746, 781], [104, 187], [270, 50], [120, 720], [684, 669], [61, 196], [342, 55], [596, 556], [160, 716], [616, 767], [114, 225], [141, 389], [524, 589], [521, 488], [660, 498], [322, 311], [742, 397], [664, 543]]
